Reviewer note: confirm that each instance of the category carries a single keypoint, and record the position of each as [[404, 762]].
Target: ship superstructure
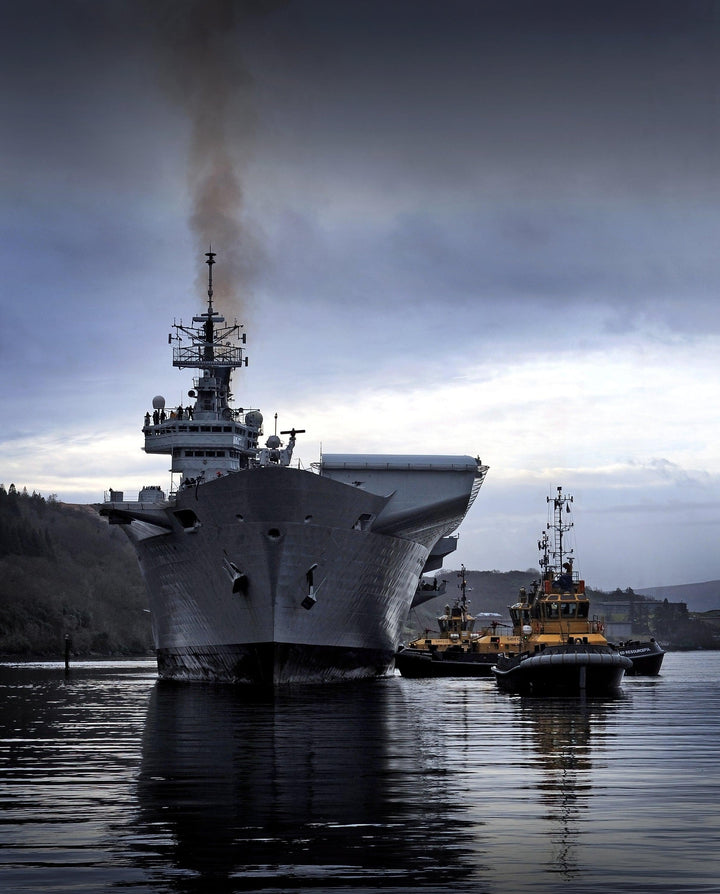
[[208, 438], [261, 572]]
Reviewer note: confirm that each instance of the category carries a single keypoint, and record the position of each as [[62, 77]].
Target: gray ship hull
[[277, 575], [272, 664]]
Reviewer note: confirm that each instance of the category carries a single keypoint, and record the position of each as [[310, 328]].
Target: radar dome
[[254, 418], [158, 402], [273, 442]]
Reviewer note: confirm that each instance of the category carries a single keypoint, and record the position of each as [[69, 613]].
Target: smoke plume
[[203, 70]]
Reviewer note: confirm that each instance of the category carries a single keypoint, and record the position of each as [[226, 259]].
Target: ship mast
[[463, 587], [463, 592], [211, 351], [210, 255], [553, 545]]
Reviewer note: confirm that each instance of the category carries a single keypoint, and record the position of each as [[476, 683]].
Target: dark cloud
[[528, 89], [525, 88], [509, 270], [521, 99]]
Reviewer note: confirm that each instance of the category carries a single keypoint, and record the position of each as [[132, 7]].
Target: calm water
[[110, 780]]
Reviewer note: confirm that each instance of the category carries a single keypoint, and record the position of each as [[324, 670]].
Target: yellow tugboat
[[457, 649], [563, 649]]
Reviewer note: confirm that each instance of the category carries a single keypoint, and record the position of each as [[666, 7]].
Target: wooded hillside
[[64, 570]]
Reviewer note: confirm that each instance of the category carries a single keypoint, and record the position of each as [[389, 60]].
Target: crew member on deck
[[564, 581]]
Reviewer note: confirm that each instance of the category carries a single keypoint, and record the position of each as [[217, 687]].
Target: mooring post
[[68, 646]]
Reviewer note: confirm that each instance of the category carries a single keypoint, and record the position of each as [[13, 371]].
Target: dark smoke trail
[[204, 72]]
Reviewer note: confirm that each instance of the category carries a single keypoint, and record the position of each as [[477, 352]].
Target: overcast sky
[[449, 227]]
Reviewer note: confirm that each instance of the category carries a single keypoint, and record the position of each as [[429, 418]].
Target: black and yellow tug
[[563, 650], [457, 649], [646, 656]]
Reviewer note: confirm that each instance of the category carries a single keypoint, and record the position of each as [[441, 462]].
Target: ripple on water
[[110, 779]]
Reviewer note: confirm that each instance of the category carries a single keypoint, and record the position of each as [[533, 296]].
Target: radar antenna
[[210, 255]]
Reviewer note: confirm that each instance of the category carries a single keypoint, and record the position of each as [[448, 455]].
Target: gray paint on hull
[[272, 664], [272, 524]]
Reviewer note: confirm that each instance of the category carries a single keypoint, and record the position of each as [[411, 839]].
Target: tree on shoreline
[[64, 571]]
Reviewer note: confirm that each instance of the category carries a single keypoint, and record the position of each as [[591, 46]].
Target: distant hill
[[700, 597]]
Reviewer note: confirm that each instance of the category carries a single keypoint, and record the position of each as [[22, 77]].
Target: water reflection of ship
[[291, 791], [561, 736]]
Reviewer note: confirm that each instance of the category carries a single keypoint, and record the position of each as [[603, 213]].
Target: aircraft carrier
[[264, 573]]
